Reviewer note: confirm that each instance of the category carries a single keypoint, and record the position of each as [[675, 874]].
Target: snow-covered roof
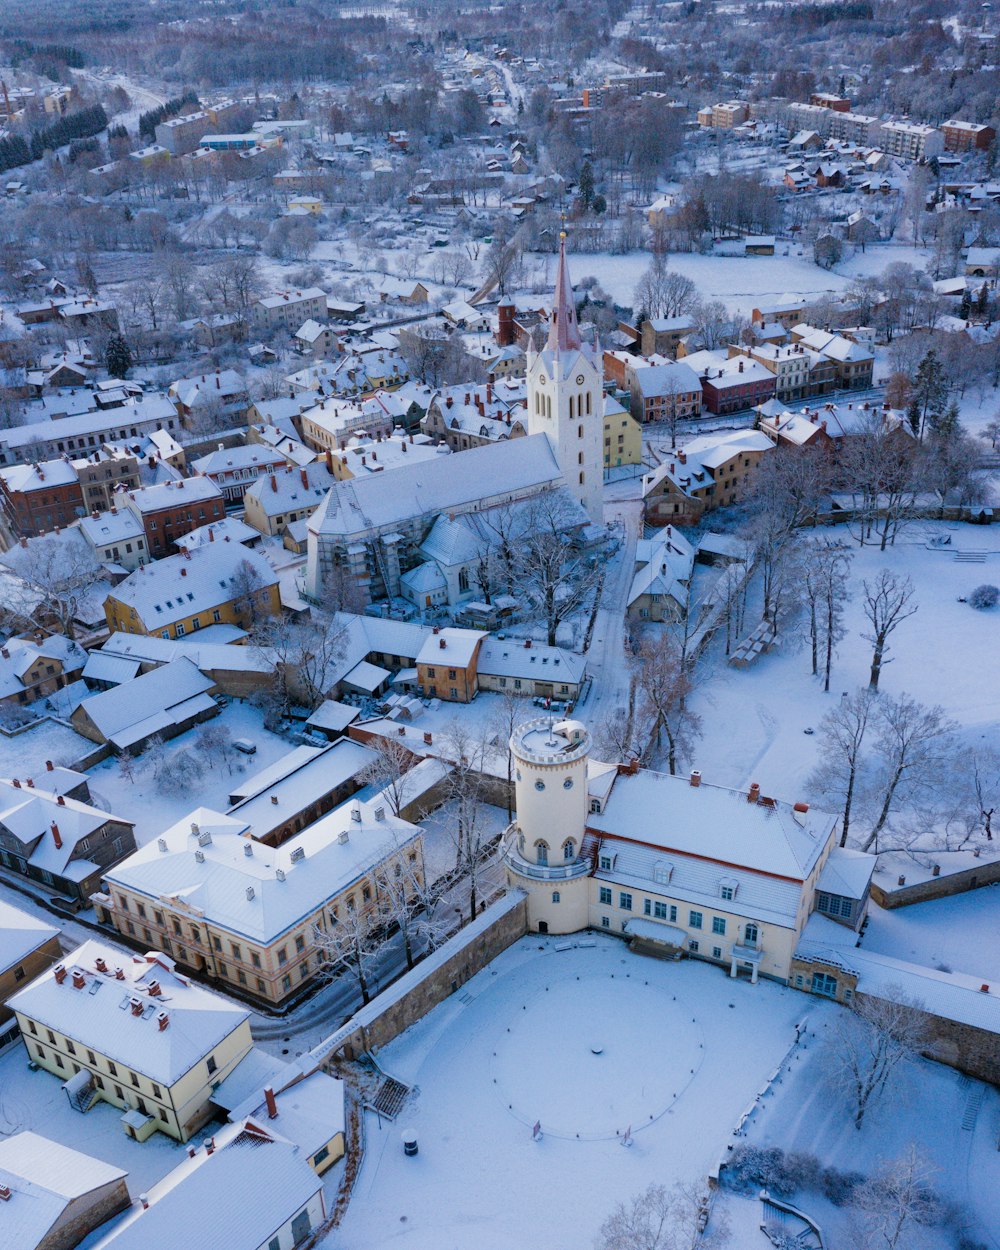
[[109, 668], [847, 872], [29, 812], [229, 529], [509, 657], [716, 824], [44, 1177], [292, 297], [500, 471], [180, 586], [199, 648], [108, 528], [675, 378], [333, 716], [172, 494], [367, 677], [261, 895], [25, 478], [20, 934], [238, 1196], [19, 655], [663, 564], [713, 450], [310, 1112], [104, 1019], [222, 384], [226, 459], [150, 703], [289, 490], [454, 648]]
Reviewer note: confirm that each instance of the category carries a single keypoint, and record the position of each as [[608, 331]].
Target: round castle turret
[[543, 844]]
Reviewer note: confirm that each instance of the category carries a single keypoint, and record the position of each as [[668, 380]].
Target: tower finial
[[564, 333]]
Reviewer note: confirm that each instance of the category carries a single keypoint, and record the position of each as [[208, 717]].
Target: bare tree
[[825, 581], [871, 1041], [387, 771], [888, 1205], [409, 902], [888, 602], [661, 1219], [553, 573], [842, 736], [663, 682], [913, 740], [215, 742], [466, 789], [52, 576], [662, 292], [502, 261], [355, 937], [985, 787], [509, 711]]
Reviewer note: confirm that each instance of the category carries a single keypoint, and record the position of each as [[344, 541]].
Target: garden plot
[[588, 1041]]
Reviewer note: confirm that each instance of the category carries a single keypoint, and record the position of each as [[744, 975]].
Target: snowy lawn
[[944, 654], [153, 808], [590, 1041], [440, 834], [924, 1105], [958, 932]]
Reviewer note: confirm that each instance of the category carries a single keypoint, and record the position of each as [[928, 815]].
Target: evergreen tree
[[983, 301], [944, 425], [965, 308], [913, 416], [118, 357], [586, 185], [929, 388]]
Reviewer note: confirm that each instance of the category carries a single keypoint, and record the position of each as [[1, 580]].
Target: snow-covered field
[[944, 654], [25, 754], [682, 1051]]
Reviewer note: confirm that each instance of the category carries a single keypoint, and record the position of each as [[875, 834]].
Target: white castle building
[[676, 865], [566, 397]]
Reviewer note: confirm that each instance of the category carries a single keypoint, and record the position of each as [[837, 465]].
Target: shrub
[[985, 596]]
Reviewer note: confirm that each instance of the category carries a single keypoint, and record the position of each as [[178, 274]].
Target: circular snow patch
[[545, 1071]]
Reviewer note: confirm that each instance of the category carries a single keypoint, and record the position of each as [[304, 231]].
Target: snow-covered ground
[[957, 933], [925, 1104], [755, 719], [153, 808], [25, 754], [590, 1041]]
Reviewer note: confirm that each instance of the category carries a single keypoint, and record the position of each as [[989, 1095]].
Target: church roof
[[564, 333]]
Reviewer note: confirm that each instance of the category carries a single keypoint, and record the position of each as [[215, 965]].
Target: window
[[70, 1047], [283, 957], [286, 982], [217, 942], [222, 970], [211, 1064], [241, 976], [555, 896], [605, 896], [134, 1079], [716, 952], [156, 1090], [255, 959], [693, 947], [694, 919], [569, 849], [177, 927], [673, 912], [260, 985], [541, 853], [300, 942], [647, 906], [90, 1058], [605, 922], [625, 900], [662, 872], [568, 783], [19, 973], [727, 892], [158, 917], [195, 935], [750, 934], [718, 925], [659, 911], [539, 784], [605, 863]]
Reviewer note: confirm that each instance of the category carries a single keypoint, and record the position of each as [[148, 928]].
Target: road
[[143, 100], [606, 657]]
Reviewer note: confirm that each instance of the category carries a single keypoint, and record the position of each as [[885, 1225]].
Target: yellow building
[[134, 1033], [622, 436], [674, 866], [252, 914], [217, 583]]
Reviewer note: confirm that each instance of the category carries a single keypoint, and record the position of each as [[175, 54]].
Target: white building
[[566, 398]]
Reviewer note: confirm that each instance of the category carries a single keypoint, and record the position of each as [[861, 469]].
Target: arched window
[[572, 401], [542, 852], [595, 805], [750, 934], [569, 849], [463, 579], [581, 479], [555, 896], [588, 403]]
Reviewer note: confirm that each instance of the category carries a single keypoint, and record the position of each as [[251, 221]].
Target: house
[[116, 537], [785, 312], [467, 416], [622, 436], [55, 1196], [173, 508], [135, 1033], [313, 339], [287, 495], [530, 669], [982, 262], [27, 947], [273, 1199], [249, 916], [161, 703], [962, 136], [31, 668], [674, 865], [713, 471], [39, 498], [218, 582], [663, 568], [671, 390], [287, 310], [446, 664], [831, 427], [235, 469], [223, 392], [661, 335], [281, 800], [60, 841], [910, 140], [852, 362], [362, 456], [730, 384]]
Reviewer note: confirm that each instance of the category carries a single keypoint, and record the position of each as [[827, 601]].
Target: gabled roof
[[150, 703], [20, 934]]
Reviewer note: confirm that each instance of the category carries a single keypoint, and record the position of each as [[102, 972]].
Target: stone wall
[[986, 872], [84, 1214], [429, 983], [971, 1050]]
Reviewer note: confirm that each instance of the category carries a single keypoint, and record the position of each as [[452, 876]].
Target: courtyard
[[564, 1077]]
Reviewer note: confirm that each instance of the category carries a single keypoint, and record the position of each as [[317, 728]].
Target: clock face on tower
[[580, 380]]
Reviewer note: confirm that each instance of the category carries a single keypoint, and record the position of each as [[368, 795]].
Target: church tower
[[566, 397]]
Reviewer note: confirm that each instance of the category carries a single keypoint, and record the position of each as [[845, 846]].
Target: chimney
[[801, 807], [682, 457], [527, 644], [144, 1199], [162, 1020], [274, 483], [30, 783], [248, 846], [305, 478], [17, 784], [192, 1151], [754, 793], [211, 534], [137, 1007], [274, 799], [119, 974], [428, 738], [100, 963], [489, 392], [442, 643], [24, 543], [272, 1105], [329, 461], [56, 838], [218, 385], [210, 1146], [741, 366], [695, 778], [154, 988], [59, 972], [184, 572], [79, 980], [936, 870]]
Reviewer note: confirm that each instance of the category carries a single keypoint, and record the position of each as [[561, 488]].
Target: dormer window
[[606, 863], [662, 871], [727, 888]]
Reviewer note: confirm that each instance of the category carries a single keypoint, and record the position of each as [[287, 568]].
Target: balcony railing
[[563, 871]]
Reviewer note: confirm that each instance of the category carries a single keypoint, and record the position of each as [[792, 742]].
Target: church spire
[[564, 333]]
